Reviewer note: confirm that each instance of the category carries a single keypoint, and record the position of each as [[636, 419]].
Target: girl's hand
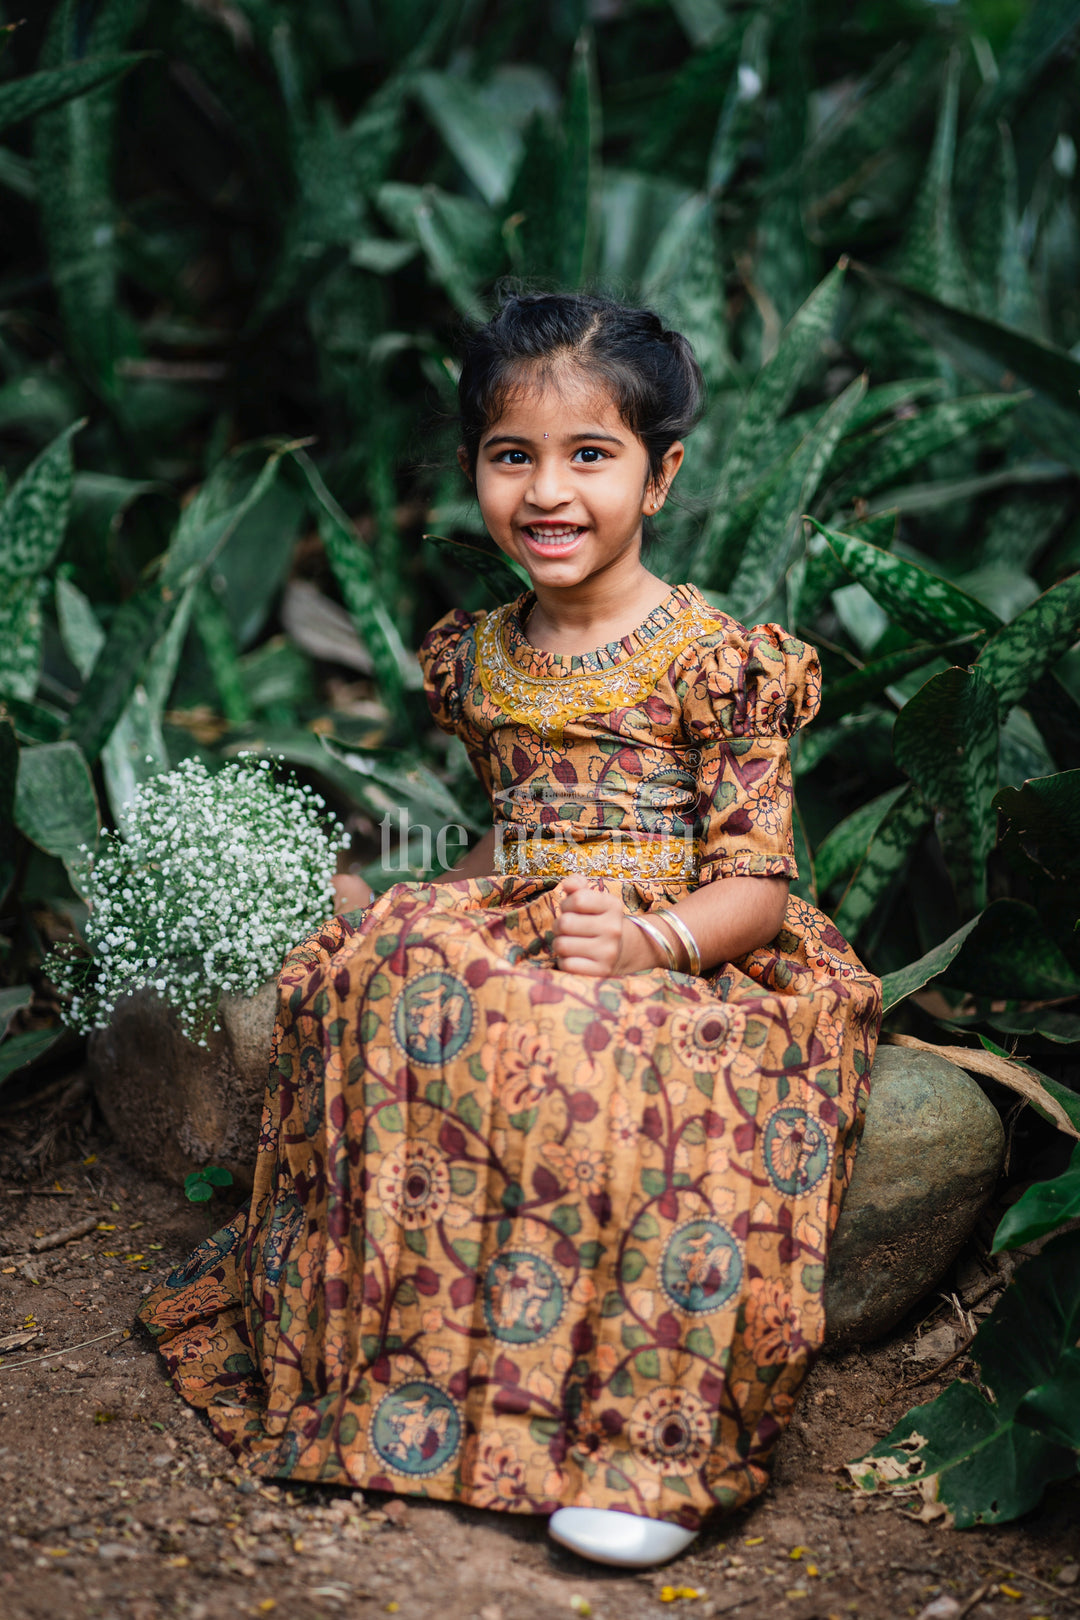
[[593, 933]]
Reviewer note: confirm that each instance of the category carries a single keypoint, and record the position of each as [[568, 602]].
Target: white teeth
[[551, 536]]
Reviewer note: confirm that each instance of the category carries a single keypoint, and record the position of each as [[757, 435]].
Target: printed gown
[[524, 1238]]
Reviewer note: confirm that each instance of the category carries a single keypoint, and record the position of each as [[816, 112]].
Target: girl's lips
[[556, 540]]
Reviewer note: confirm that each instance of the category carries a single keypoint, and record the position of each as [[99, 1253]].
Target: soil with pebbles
[[116, 1500]]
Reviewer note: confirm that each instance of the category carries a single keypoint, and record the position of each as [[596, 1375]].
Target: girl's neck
[[580, 618]]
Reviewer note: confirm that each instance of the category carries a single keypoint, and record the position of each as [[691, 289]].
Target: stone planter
[[173, 1106], [930, 1155]]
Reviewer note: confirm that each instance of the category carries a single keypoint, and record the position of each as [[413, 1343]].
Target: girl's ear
[[656, 490], [463, 463]]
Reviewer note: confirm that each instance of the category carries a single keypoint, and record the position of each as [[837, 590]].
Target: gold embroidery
[[546, 703], [662, 860]]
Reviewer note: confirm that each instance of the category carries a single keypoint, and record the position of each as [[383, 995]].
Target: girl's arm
[[727, 918], [476, 862]]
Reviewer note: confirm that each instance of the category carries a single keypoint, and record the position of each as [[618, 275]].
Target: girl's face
[[563, 483]]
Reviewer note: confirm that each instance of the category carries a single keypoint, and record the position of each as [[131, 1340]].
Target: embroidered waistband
[[662, 860]]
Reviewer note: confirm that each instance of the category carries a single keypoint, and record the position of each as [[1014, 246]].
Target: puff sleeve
[[447, 658], [748, 694]]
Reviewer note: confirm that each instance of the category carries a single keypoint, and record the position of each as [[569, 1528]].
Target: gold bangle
[[657, 938], [693, 955]]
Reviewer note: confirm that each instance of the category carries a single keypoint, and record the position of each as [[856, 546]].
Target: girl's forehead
[[565, 397]]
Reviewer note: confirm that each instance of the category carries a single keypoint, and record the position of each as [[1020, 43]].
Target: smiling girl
[[554, 1147]]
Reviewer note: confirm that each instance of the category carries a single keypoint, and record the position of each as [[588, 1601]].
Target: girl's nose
[[549, 486]]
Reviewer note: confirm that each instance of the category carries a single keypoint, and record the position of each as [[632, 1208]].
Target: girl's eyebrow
[[570, 438]]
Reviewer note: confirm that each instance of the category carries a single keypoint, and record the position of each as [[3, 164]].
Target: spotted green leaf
[[946, 740], [683, 282], [881, 457], [1020, 653], [37, 92], [488, 149], [840, 852], [1043, 819], [20, 637], [458, 237], [34, 515], [884, 860], [499, 576], [850, 692], [55, 803], [1010, 955], [769, 396], [9, 770], [912, 596], [930, 257]]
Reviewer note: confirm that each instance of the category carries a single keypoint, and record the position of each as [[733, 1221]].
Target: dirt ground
[[116, 1501]]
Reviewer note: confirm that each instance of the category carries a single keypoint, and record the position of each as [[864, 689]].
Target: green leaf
[[683, 282], [896, 987], [850, 692], [11, 1002], [55, 803], [1042, 1208], [992, 1459], [488, 149], [1015, 658], [20, 1050], [9, 771], [458, 237], [500, 576], [80, 631], [34, 515], [37, 92], [892, 451], [1044, 822], [886, 856], [913, 597], [768, 548], [20, 637], [946, 740], [930, 258], [841, 851], [1010, 955], [578, 196], [772, 390], [1002, 358]]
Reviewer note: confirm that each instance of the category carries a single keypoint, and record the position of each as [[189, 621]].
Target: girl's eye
[[512, 458], [591, 454]]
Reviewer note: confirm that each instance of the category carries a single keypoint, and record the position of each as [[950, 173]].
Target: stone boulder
[[929, 1158], [173, 1106]]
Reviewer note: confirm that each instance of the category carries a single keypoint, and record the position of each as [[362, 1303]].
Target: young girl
[[553, 1147]]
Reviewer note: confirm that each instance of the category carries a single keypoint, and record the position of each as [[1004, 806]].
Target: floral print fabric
[[523, 1238]]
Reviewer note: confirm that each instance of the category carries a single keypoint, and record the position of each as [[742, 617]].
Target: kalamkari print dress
[[524, 1238]]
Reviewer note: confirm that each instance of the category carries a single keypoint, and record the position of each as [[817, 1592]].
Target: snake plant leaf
[[501, 578], [13, 1000], [920, 601], [1002, 278], [56, 805], [683, 282], [458, 237], [769, 396], [1046, 1024], [930, 257], [673, 139], [578, 205], [38, 92], [743, 106], [211, 621], [946, 739], [488, 149], [20, 637], [9, 770], [768, 547], [1011, 956], [883, 860], [847, 693], [896, 987], [1043, 820], [1020, 653], [840, 852], [390, 777], [989, 1461], [1002, 358], [1041, 1209], [34, 515], [20, 1050], [879, 458], [867, 129], [782, 259]]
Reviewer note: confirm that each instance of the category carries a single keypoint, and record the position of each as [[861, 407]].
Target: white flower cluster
[[218, 877]]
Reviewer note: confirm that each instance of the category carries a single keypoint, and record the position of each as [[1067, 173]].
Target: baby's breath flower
[[216, 879]]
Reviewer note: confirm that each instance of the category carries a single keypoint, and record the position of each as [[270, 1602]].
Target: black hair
[[650, 372]]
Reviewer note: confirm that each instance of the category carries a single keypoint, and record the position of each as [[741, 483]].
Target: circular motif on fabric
[[796, 1149], [666, 799], [523, 1297], [702, 1267], [413, 1184], [433, 1018], [671, 1431], [206, 1257], [416, 1429]]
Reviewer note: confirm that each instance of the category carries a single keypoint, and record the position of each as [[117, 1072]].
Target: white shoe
[[625, 1539]]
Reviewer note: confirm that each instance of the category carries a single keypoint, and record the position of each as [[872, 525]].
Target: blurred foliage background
[[241, 239]]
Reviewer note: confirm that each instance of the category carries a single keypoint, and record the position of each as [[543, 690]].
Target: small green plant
[[201, 1185], [215, 878]]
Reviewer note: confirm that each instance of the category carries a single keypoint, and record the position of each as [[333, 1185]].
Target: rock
[[929, 1157], [174, 1107]]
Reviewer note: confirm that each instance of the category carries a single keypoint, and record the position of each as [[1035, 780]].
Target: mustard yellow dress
[[523, 1238]]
